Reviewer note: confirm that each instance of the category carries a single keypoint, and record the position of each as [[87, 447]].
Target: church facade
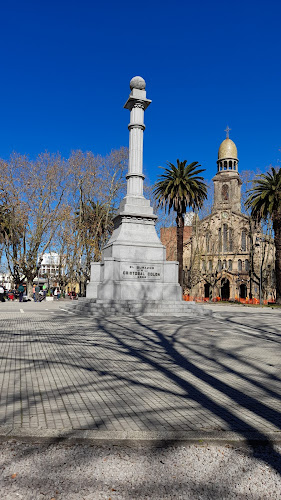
[[227, 256]]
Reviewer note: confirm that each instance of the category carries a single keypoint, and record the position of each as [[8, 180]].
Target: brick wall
[[168, 236]]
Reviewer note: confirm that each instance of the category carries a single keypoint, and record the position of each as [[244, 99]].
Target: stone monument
[[134, 266]]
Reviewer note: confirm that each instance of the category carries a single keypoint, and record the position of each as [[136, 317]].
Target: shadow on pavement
[[156, 372]]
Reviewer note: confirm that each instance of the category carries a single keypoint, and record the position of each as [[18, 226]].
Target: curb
[[138, 438]]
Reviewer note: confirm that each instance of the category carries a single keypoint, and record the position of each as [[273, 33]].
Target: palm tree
[[264, 200], [178, 188]]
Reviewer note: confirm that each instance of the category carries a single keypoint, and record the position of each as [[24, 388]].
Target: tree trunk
[[29, 287], [277, 242], [180, 226]]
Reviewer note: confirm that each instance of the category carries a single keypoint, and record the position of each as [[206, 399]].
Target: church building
[[227, 256]]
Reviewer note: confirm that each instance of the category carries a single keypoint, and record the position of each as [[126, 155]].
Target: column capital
[[137, 102]]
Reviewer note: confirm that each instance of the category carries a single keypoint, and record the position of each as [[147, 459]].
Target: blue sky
[[66, 67]]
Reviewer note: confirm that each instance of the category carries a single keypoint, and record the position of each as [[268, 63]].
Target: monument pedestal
[[134, 280]]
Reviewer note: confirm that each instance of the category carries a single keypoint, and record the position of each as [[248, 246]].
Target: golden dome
[[227, 149]]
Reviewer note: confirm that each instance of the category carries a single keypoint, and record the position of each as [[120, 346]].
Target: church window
[[210, 265], [243, 241], [225, 192], [203, 266], [224, 264], [225, 231], [207, 242], [225, 165], [219, 242], [230, 265], [234, 165], [230, 165], [230, 240], [219, 266], [239, 265], [247, 265]]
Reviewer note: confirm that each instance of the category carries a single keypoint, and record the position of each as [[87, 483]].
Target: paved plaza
[[129, 376]]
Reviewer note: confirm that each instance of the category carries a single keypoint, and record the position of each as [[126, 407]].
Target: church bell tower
[[227, 182]]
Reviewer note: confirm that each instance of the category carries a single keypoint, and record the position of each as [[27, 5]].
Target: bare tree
[[32, 193], [97, 184]]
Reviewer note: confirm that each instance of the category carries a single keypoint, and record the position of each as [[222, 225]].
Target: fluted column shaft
[[135, 172]]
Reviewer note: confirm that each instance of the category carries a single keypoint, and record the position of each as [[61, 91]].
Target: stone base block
[[105, 308]]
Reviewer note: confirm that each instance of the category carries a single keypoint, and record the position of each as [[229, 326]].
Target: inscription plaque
[[140, 272]]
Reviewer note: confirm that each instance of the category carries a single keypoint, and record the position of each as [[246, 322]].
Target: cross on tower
[[227, 131]]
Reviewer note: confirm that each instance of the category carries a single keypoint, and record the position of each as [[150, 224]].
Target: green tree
[[264, 201], [93, 225], [180, 187], [97, 184]]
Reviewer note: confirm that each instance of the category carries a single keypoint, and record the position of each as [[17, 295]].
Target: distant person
[[37, 294], [21, 292], [56, 293], [2, 292]]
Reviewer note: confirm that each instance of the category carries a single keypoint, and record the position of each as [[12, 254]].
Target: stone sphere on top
[[137, 83], [227, 149]]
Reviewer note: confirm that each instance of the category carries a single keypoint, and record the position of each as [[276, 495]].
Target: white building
[[50, 264], [6, 280]]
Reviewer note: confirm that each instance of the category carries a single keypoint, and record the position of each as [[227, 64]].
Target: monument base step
[[97, 307]]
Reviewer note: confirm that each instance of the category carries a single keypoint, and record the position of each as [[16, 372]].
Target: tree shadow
[[141, 374]]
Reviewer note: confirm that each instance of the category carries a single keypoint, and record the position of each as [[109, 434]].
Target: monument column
[[137, 104], [136, 128]]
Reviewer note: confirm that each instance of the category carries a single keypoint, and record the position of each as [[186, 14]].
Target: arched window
[[230, 239], [234, 168], [219, 266], [225, 165], [230, 165], [230, 265], [210, 265], [203, 266], [207, 242], [239, 265], [219, 236], [247, 265], [225, 246], [224, 264], [243, 241]]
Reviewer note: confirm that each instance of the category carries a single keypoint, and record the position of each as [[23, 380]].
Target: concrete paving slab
[[146, 379]]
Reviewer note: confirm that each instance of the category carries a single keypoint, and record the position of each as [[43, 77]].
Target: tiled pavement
[[62, 371]]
